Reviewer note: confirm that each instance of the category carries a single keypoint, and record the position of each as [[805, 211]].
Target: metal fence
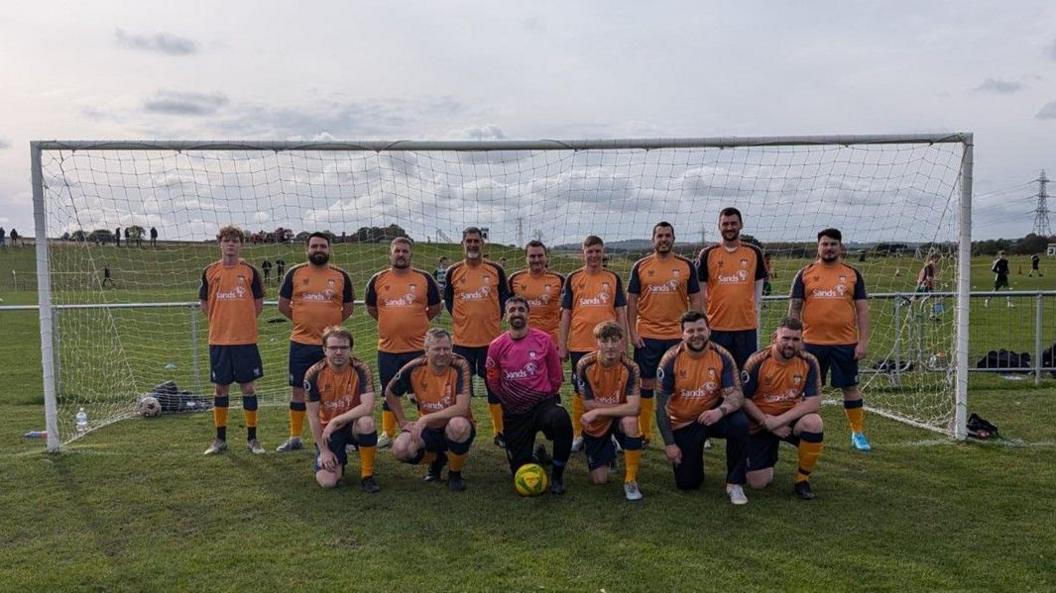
[[911, 332]]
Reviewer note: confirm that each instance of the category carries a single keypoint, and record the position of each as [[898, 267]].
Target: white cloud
[[1002, 87], [184, 103], [163, 43]]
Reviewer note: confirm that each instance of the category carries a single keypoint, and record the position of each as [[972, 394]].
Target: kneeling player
[[442, 385], [611, 385], [340, 411], [524, 372], [700, 397], [782, 387]]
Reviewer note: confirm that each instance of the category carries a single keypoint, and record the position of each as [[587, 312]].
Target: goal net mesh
[[121, 333]]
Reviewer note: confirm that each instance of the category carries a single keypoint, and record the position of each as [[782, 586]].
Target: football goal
[[124, 230]]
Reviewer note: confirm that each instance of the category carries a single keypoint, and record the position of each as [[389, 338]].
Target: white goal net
[[121, 319]]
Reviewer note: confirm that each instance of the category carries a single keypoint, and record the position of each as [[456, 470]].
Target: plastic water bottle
[[82, 421]]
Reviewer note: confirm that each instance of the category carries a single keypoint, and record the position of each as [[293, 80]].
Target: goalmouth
[[104, 344]]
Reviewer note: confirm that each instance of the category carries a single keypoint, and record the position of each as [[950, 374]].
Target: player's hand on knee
[[710, 417], [673, 453], [782, 432]]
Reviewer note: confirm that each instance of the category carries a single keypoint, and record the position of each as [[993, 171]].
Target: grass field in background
[[135, 507]]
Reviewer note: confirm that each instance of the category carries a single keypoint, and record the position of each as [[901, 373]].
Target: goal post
[[128, 317]]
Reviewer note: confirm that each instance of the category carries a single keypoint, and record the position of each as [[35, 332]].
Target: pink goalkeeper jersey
[[524, 372]]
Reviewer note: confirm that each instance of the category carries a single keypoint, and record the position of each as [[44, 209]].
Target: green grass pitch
[[135, 507]]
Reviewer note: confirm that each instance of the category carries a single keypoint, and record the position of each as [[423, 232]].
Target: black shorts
[[476, 356], [389, 364], [573, 359], [338, 441], [840, 359], [763, 447], [648, 357], [1001, 282], [768, 288], [601, 450], [520, 429], [302, 357], [740, 344], [234, 364], [436, 439]]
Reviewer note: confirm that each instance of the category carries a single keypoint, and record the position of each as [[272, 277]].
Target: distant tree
[[301, 237], [746, 238], [66, 236], [101, 236], [79, 236], [1030, 244], [136, 232]]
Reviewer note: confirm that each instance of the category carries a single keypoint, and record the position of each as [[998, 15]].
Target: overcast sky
[[440, 70]]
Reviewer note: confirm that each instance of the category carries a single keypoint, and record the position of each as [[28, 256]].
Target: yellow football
[[531, 480]]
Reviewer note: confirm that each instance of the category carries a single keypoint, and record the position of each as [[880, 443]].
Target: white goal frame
[[964, 217]]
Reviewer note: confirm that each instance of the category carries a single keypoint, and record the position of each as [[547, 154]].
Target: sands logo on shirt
[[789, 395], [836, 292], [706, 390], [526, 372], [739, 277], [599, 300], [234, 294], [671, 286], [479, 294]]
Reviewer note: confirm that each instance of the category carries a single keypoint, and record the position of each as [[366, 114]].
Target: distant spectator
[[3, 236], [14, 238], [265, 267], [280, 269], [117, 236], [440, 274], [107, 278], [1035, 260], [153, 237]]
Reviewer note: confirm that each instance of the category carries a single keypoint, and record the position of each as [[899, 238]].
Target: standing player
[[829, 297], [524, 371], [732, 274], [662, 287], [475, 292], [611, 384], [591, 295], [442, 385], [402, 300], [700, 398], [1001, 271], [1035, 266], [232, 297], [541, 288], [782, 390], [314, 296], [341, 411]]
